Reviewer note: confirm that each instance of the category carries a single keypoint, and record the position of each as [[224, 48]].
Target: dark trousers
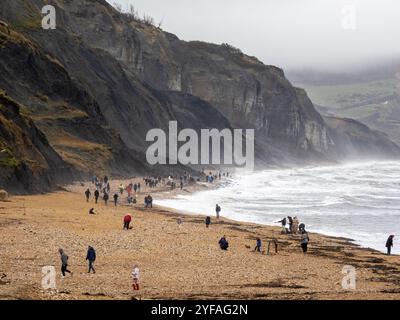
[[91, 268], [126, 225], [304, 246], [64, 269], [257, 248], [389, 250], [96, 198], [149, 204]]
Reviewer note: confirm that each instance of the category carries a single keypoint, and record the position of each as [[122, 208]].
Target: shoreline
[[183, 213], [177, 262]]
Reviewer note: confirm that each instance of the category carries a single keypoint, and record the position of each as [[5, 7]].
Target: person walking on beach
[[217, 210], [91, 257], [127, 221], [258, 245], [96, 195], [135, 277], [116, 199], [304, 241], [108, 188], [223, 243], [105, 198], [64, 263], [208, 221], [389, 244], [87, 194]]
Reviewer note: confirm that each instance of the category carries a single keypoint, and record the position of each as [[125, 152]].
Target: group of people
[[291, 225], [210, 177], [170, 181], [103, 186], [131, 188], [152, 182], [183, 179], [91, 258], [148, 201]]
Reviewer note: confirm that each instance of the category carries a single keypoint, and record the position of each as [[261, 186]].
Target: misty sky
[[287, 33]]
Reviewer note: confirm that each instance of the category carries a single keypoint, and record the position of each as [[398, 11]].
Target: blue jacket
[[91, 254]]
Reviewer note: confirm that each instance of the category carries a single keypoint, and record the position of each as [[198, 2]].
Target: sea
[[360, 201]]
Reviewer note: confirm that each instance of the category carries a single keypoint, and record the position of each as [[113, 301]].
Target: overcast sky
[[291, 34]]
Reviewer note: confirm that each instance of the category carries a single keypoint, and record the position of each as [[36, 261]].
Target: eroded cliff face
[[247, 92], [27, 161]]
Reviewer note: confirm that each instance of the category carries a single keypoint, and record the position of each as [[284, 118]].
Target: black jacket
[[389, 242]]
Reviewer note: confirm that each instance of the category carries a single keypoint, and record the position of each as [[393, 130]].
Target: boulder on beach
[[3, 195]]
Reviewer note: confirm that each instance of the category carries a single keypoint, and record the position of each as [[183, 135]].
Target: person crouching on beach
[[208, 221], [389, 244], [135, 277], [304, 241], [223, 243], [127, 221], [179, 221]]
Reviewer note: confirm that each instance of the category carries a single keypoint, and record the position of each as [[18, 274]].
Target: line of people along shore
[[289, 226], [102, 187]]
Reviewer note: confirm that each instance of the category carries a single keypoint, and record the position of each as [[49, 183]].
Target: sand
[[176, 262]]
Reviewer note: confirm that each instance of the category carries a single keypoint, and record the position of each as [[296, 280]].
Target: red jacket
[[127, 218]]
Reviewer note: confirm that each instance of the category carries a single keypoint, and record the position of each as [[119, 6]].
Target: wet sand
[[176, 262]]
